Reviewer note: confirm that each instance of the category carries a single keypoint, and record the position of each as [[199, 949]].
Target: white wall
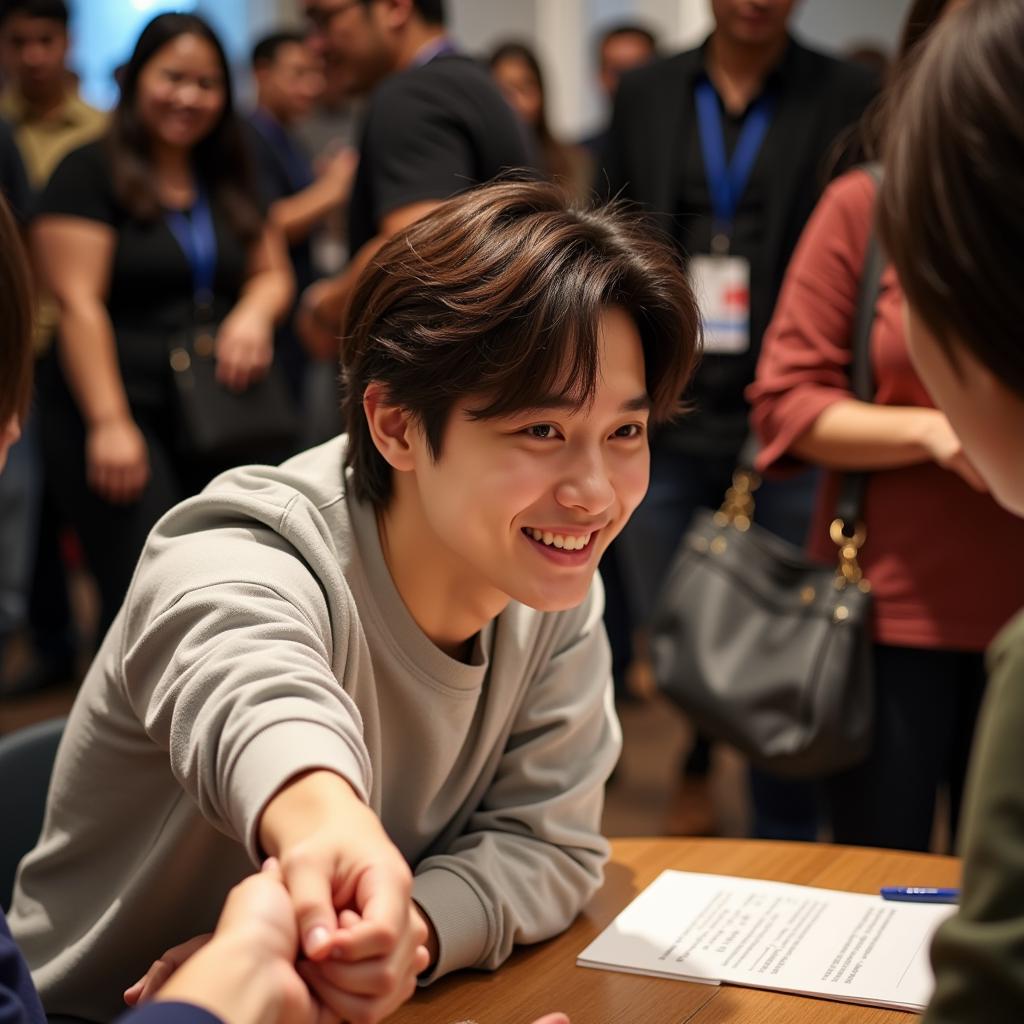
[[840, 24]]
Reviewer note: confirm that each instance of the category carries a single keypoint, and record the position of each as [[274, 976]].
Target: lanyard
[[727, 181], [198, 241], [440, 47]]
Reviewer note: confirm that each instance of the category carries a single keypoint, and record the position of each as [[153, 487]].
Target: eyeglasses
[[320, 15]]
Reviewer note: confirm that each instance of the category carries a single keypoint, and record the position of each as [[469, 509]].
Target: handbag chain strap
[[847, 530]]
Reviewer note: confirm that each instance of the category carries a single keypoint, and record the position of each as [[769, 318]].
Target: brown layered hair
[[15, 321], [495, 298], [951, 208]]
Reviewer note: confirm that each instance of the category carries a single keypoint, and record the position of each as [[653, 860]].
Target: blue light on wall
[[104, 33]]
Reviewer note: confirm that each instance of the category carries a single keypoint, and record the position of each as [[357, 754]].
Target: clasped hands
[[327, 932]]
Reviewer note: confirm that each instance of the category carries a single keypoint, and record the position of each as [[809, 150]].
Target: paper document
[[836, 945]]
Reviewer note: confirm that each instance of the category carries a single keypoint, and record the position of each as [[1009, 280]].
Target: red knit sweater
[[946, 564]]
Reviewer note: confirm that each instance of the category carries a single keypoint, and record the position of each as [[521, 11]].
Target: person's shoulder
[[663, 73], [1008, 646], [441, 81], [91, 156], [83, 176], [831, 73], [85, 114], [313, 478]]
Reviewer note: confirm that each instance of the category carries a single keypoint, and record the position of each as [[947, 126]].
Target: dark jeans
[[681, 484], [113, 536], [926, 708]]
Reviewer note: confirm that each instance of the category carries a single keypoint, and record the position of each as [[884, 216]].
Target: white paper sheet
[[713, 928]]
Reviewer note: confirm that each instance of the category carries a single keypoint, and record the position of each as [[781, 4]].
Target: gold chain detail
[[738, 508]]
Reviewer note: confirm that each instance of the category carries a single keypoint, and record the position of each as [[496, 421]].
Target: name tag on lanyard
[[721, 285], [721, 281]]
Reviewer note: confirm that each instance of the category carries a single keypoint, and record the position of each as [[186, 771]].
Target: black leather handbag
[[216, 423], [762, 647]]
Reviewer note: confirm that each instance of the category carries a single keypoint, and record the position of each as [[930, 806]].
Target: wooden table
[[543, 978]]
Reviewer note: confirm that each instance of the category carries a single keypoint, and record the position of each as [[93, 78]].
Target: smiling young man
[[385, 657]]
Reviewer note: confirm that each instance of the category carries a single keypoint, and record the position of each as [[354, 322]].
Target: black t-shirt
[[150, 297], [431, 132], [282, 169], [719, 410], [13, 181]]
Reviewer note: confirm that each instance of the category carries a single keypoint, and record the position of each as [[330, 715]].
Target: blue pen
[[919, 894]]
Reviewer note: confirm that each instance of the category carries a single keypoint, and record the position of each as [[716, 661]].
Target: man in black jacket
[[728, 147]]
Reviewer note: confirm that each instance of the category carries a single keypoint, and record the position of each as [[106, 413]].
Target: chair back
[[26, 763]]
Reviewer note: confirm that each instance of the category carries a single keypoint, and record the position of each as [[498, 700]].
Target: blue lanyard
[[441, 47], [198, 241], [727, 181]]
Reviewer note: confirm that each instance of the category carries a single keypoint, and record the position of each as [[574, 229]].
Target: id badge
[[722, 287]]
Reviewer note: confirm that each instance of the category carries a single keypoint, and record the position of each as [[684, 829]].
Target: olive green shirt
[[45, 141], [978, 954]]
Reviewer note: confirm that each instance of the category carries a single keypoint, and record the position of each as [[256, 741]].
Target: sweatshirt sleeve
[[977, 953], [804, 365], [532, 854], [227, 661]]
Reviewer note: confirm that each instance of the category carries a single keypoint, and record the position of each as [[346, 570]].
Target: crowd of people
[[369, 650]]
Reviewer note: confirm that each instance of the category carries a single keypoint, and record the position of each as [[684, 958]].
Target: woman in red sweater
[[945, 562]]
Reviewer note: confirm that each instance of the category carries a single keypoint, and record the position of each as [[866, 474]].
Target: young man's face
[[33, 54], [621, 53], [290, 84], [354, 35], [752, 22], [986, 416], [525, 505]]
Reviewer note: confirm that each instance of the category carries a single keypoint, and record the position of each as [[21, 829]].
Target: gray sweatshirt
[[262, 636]]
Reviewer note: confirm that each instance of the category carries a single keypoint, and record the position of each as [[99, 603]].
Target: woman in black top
[[133, 232]]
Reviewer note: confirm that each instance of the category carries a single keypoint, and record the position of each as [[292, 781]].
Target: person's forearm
[[854, 435], [300, 805], [344, 284], [298, 214], [226, 978], [88, 354], [267, 294]]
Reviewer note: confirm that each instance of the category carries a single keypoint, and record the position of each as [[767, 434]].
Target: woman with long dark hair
[[517, 71], [933, 533], [142, 236]]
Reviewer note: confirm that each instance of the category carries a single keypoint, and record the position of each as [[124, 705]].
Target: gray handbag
[[762, 647]]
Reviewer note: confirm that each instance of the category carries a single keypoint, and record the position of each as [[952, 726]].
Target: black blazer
[[820, 99]]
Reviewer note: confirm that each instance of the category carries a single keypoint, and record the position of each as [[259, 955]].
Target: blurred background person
[[41, 103], [517, 71], [933, 617], [134, 233], [15, 510], [725, 145], [40, 99], [289, 81], [430, 132], [621, 48]]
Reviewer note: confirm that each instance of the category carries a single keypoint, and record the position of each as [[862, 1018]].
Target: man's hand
[[318, 318], [352, 894], [244, 349], [338, 168], [246, 973], [116, 460], [161, 970]]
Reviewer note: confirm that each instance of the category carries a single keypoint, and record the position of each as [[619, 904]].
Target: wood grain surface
[[543, 978]]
